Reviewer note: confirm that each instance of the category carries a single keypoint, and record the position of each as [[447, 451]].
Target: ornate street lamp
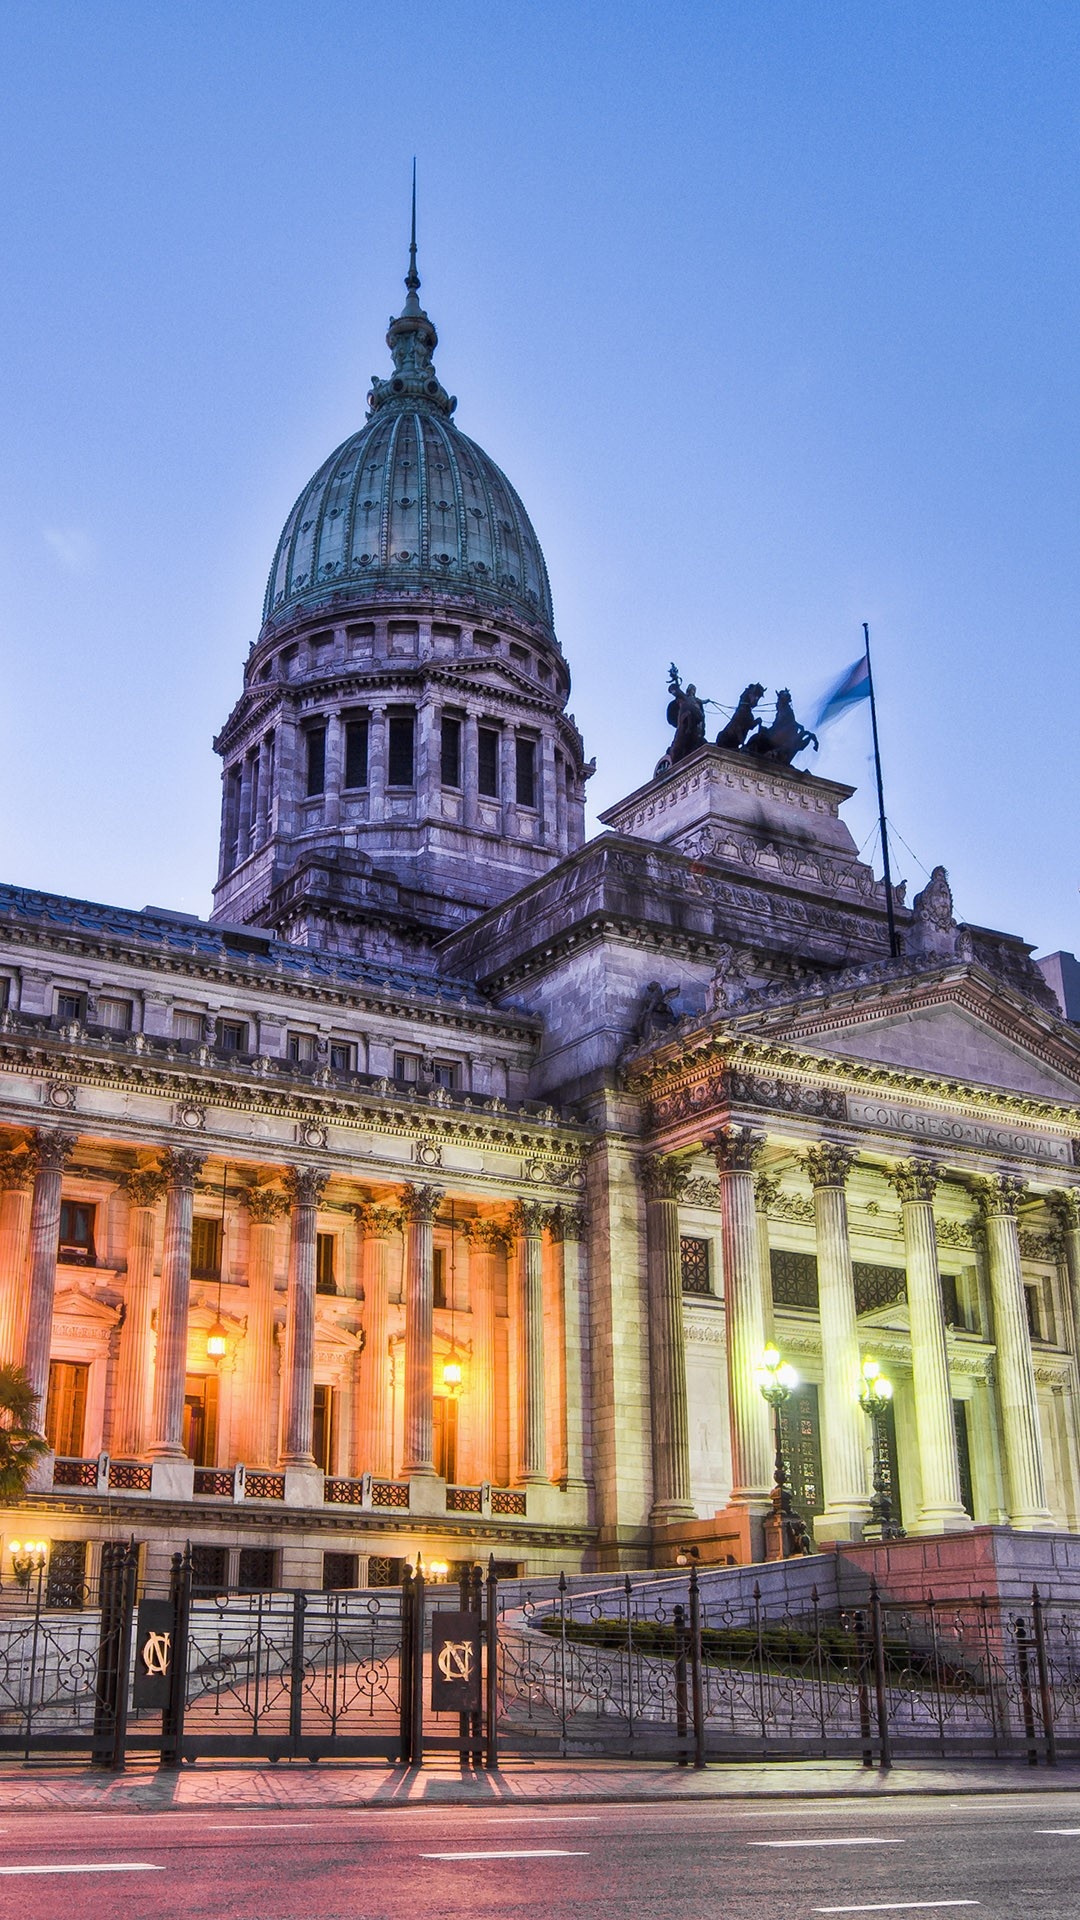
[[875, 1394], [27, 1558], [777, 1381]]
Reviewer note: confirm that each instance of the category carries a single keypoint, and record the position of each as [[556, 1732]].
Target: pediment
[[72, 1304], [943, 1034]]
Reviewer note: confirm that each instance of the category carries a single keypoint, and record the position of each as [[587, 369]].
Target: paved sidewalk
[[145, 1788]]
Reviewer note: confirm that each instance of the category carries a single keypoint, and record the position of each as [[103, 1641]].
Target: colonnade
[[148, 1396], [744, 1198]]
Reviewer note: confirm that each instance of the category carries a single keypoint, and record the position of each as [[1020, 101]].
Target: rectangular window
[[951, 1301], [302, 1048], [5, 994], [794, 1279], [232, 1036], [407, 1068], [65, 1407], [445, 1074], [519, 654], [802, 1449], [65, 1582], [399, 759], [316, 761], [325, 1249], [451, 752], [356, 744], [187, 1026], [340, 1570], [487, 762], [444, 1435], [1031, 1296], [209, 1571], [438, 1270], [70, 1006], [694, 1260], [114, 1014], [322, 1428], [525, 763], [206, 1238], [77, 1233], [342, 1056], [256, 1570], [200, 1418]]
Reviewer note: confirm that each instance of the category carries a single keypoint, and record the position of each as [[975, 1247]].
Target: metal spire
[[412, 278]]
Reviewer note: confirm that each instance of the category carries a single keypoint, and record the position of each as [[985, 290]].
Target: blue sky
[[769, 311]]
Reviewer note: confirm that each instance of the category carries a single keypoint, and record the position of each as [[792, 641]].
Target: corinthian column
[[374, 1435], [736, 1151], [304, 1186], [663, 1181], [847, 1497], [17, 1171], [529, 1221], [265, 1207], [419, 1205], [1065, 1207], [941, 1509], [52, 1151], [144, 1191], [181, 1170], [766, 1194], [999, 1200]]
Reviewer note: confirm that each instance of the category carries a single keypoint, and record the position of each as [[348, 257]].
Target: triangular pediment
[[71, 1303], [953, 1034]]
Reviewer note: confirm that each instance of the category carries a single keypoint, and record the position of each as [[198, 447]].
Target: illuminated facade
[[442, 1191]]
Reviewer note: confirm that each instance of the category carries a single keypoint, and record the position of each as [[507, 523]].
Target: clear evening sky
[[769, 311]]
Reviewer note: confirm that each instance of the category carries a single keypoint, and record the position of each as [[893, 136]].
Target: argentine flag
[[852, 686]]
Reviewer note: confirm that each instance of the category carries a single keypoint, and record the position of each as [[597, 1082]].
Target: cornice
[[273, 1517]]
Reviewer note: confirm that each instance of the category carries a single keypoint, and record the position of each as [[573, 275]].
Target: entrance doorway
[[200, 1418], [446, 1436], [65, 1407]]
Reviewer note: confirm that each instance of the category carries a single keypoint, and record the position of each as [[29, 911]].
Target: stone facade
[[441, 1192]]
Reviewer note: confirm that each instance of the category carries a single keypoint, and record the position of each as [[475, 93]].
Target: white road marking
[[253, 1826], [859, 1840], [899, 1906], [94, 1866], [1057, 1829], [513, 1853]]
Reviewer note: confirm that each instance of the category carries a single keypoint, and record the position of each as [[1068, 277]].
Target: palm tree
[[20, 1445]]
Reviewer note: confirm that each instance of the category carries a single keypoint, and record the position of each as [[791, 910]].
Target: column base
[[845, 1524], [941, 1520], [668, 1513], [1038, 1520], [173, 1479], [303, 1485]]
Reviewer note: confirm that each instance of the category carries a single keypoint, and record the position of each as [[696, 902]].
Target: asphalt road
[[987, 1857]]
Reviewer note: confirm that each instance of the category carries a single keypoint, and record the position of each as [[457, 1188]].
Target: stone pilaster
[[1065, 1207], [999, 1201], [736, 1151], [373, 1452], [844, 1465], [52, 1151], [419, 1205], [17, 1170], [144, 1191], [529, 1221], [766, 1194], [941, 1509], [181, 1169], [265, 1207], [488, 1241], [304, 1186], [567, 1227], [663, 1180]]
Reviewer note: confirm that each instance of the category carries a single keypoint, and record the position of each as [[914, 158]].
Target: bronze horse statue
[[743, 720], [781, 741]]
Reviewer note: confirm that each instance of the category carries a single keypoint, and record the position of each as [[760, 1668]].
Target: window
[[187, 1026], [65, 1407], [65, 1582], [115, 1014], [1031, 1296], [525, 765], [451, 752], [316, 761], [325, 1247], [444, 1436], [445, 1073], [322, 1428], [794, 1279], [232, 1036], [694, 1258], [5, 993], [356, 753], [70, 1006], [200, 1419], [206, 1238], [399, 769], [209, 1571], [340, 1570], [519, 654], [963, 1457], [407, 1068], [255, 1573], [438, 1272], [951, 1301], [77, 1233], [301, 1048], [487, 762], [342, 1056]]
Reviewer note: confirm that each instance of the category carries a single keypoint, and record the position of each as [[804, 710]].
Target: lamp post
[[777, 1381], [27, 1558], [875, 1394]]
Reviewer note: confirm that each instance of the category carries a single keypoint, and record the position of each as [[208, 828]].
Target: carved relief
[[567, 1223], [145, 1188], [766, 1192], [265, 1204], [829, 1164], [914, 1179], [53, 1150], [1065, 1207], [182, 1168], [1000, 1195], [662, 1177], [379, 1222], [59, 1094], [528, 1217], [494, 1236], [736, 1149], [309, 1133], [17, 1168], [421, 1203], [304, 1186], [427, 1153], [190, 1116]]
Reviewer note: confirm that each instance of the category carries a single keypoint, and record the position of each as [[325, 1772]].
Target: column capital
[[914, 1179], [529, 1216], [829, 1164], [567, 1223], [662, 1177], [1000, 1195], [379, 1222], [146, 1186], [17, 1168], [304, 1186], [766, 1191], [52, 1150], [736, 1149], [495, 1236], [265, 1204], [420, 1203], [182, 1167], [1065, 1207]]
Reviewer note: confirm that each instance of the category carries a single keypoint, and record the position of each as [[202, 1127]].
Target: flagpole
[[894, 942]]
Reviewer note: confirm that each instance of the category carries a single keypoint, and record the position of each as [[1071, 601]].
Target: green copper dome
[[409, 505]]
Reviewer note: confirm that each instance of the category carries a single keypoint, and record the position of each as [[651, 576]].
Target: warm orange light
[[216, 1341], [451, 1374]]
